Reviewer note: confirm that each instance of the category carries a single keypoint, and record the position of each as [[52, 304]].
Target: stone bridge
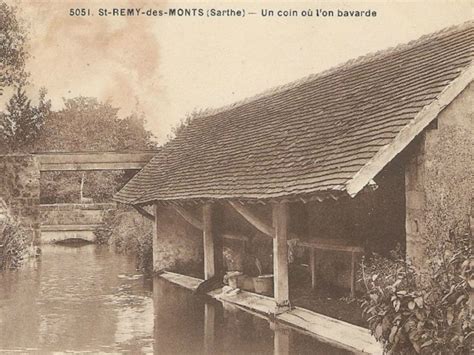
[[65, 221], [20, 189]]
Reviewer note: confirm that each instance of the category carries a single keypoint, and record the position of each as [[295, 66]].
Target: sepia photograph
[[237, 177]]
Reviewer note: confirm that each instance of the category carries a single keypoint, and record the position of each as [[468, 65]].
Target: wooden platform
[[338, 333]]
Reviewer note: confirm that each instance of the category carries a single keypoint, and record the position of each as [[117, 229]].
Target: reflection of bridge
[[61, 222]]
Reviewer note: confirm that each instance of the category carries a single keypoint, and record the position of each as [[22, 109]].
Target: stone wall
[[374, 220], [178, 246], [74, 213], [20, 189], [440, 177]]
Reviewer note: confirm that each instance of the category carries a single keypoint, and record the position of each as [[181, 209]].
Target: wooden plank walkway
[[326, 329]]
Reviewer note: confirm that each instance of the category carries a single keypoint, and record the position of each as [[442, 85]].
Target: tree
[[21, 123], [133, 135], [179, 128], [86, 124], [13, 52]]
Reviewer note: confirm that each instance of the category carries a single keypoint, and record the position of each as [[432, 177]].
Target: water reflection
[[186, 324], [73, 300], [88, 299]]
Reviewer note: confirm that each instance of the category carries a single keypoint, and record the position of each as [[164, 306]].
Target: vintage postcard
[[236, 177]]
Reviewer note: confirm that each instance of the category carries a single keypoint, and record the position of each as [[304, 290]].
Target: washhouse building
[[369, 156]]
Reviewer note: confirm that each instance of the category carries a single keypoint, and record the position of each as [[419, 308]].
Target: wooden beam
[[239, 237], [155, 235], [253, 219], [208, 241], [334, 197], [188, 217], [280, 257], [144, 212], [312, 265], [327, 245], [257, 222]]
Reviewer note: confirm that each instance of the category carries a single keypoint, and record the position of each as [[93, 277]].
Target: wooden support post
[[471, 300], [253, 219], [144, 213], [155, 235], [280, 257], [353, 273], [209, 328], [281, 340], [208, 241], [312, 265]]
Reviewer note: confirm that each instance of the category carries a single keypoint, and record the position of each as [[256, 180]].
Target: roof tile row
[[308, 136]]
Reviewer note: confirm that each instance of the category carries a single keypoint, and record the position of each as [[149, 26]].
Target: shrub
[[129, 233], [103, 233], [426, 311], [13, 241], [144, 251]]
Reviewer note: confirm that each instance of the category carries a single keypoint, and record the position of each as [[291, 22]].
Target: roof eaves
[[319, 196], [409, 132]]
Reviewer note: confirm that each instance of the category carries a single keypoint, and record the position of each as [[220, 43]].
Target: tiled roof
[[308, 137]]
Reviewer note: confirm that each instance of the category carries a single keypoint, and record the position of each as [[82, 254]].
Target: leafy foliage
[[13, 242], [86, 124], [427, 311], [179, 128], [12, 48], [21, 123]]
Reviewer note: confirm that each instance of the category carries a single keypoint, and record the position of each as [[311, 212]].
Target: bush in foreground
[[422, 312], [13, 242]]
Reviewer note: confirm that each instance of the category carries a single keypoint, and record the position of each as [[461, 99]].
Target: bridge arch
[[20, 188]]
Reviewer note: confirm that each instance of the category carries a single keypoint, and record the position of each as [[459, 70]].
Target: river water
[[89, 299]]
